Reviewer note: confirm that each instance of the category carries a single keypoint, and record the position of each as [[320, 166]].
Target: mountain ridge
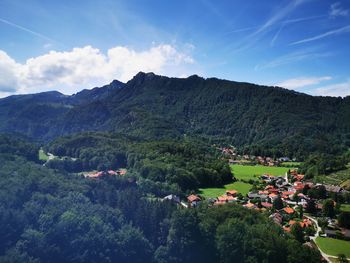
[[153, 106]]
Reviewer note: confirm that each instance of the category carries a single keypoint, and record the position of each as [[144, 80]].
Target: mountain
[[153, 106]]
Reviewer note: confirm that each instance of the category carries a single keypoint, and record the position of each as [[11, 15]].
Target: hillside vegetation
[[263, 120]]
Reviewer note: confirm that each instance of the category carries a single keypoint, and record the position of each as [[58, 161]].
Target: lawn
[[333, 246], [241, 187], [247, 172], [345, 207], [42, 155]]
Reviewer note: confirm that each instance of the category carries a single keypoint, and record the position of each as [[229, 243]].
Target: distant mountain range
[[152, 106]]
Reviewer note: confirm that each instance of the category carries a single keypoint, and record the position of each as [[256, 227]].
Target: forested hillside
[[270, 119], [51, 216]]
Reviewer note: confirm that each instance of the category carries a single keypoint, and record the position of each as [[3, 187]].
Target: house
[[122, 171], [280, 182], [231, 192], [298, 186], [277, 218], [304, 223], [93, 175], [273, 196], [330, 233], [249, 205], [111, 172], [226, 199], [252, 195], [193, 200], [333, 189], [266, 205], [288, 210], [284, 159], [286, 228]]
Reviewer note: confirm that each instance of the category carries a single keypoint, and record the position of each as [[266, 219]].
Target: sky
[[67, 46]]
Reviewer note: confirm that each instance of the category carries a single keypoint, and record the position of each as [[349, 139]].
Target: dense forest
[[185, 164], [261, 120], [54, 216]]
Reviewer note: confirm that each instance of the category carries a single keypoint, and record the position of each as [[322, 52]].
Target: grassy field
[[247, 172], [241, 187], [333, 246], [345, 207], [42, 155]]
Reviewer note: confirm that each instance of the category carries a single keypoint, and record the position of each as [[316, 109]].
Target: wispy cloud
[[339, 89], [292, 58], [297, 83], [337, 10], [25, 29], [338, 31], [278, 16], [271, 23], [284, 22]]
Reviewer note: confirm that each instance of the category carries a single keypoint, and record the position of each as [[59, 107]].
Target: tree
[[297, 232], [342, 258], [344, 219], [328, 208], [311, 206], [301, 211], [278, 203]]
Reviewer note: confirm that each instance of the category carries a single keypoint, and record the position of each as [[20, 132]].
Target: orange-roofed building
[[273, 195], [249, 205], [193, 198], [291, 222], [287, 229], [288, 193], [226, 198], [288, 210]]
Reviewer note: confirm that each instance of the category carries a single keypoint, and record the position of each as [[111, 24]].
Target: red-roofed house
[[193, 200], [266, 205]]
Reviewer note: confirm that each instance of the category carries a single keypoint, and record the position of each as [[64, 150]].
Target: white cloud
[[87, 67], [337, 10], [8, 73], [298, 83], [340, 89]]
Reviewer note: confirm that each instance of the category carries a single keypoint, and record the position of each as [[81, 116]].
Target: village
[[289, 200]]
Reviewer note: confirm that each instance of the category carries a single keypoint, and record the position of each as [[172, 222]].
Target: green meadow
[[248, 172], [241, 187], [345, 207], [333, 246], [42, 155]]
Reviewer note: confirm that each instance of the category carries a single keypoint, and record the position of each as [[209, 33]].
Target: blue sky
[[70, 45]]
